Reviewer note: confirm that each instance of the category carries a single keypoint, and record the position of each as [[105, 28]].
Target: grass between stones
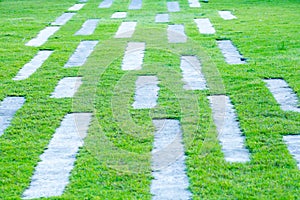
[[115, 161]]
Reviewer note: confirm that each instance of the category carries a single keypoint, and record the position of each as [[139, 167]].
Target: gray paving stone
[[82, 52], [283, 94], [9, 106], [135, 5], [63, 19], [76, 7], [126, 30], [229, 133], [88, 27], [134, 55], [29, 68], [293, 144], [194, 4], [106, 4], [226, 15], [162, 18], [173, 6], [119, 15], [176, 34], [52, 173], [230, 52], [67, 87], [192, 75], [146, 93], [43, 36], [204, 26], [168, 162]]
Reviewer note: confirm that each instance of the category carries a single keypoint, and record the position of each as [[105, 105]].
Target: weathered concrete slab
[[226, 15], [162, 18], [52, 173], [82, 52], [106, 4], [119, 15], [8, 108], [67, 87], [204, 26], [168, 162], [176, 34], [88, 27], [126, 30], [283, 94], [194, 4], [146, 93], [135, 5], [293, 145], [43, 36], [173, 6], [229, 133], [76, 7], [134, 55], [29, 68], [230, 52], [63, 19], [192, 75]]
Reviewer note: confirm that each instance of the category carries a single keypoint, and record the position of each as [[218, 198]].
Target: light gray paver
[[168, 162], [88, 27], [229, 133], [9, 106], [126, 30], [29, 68], [173, 6], [226, 15], [192, 75], [63, 19], [52, 173], [119, 15], [106, 4], [283, 94], [43, 36], [230, 52], [82, 52], [194, 4], [162, 18], [204, 26], [76, 7], [146, 92], [135, 5], [293, 144], [134, 55], [176, 34], [67, 87]]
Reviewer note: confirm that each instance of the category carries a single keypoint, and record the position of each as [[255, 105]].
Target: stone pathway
[[134, 55], [204, 26], [226, 15], [135, 5], [293, 144], [162, 18], [67, 87], [88, 27], [43, 36], [230, 52], [126, 30], [194, 4], [63, 19], [176, 34], [173, 6], [119, 15], [76, 7], [106, 4]]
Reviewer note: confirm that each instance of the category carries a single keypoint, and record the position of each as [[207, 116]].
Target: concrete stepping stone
[[192, 75], [293, 144], [126, 30], [67, 87], [9, 106], [135, 5], [106, 4], [52, 173], [29, 68], [43, 36], [168, 162], [88, 27], [82, 52], [63, 19], [173, 6], [162, 18], [119, 15], [204, 26], [146, 93], [229, 133], [194, 4], [176, 34], [134, 55], [226, 15], [76, 7], [283, 94], [230, 52]]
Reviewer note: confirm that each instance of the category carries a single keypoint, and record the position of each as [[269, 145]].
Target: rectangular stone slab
[[192, 75], [168, 162], [126, 30], [82, 52], [176, 34], [135, 5], [204, 26], [226, 15], [29, 68], [67, 87], [194, 4], [76, 7], [119, 15], [293, 145], [51, 174], [173, 6], [88, 27], [134, 55], [8, 107], [230, 52], [43, 36], [146, 93], [106, 4], [162, 18], [229, 133], [63, 19]]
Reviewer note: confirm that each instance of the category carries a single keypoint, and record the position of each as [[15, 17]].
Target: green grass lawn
[[115, 162]]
